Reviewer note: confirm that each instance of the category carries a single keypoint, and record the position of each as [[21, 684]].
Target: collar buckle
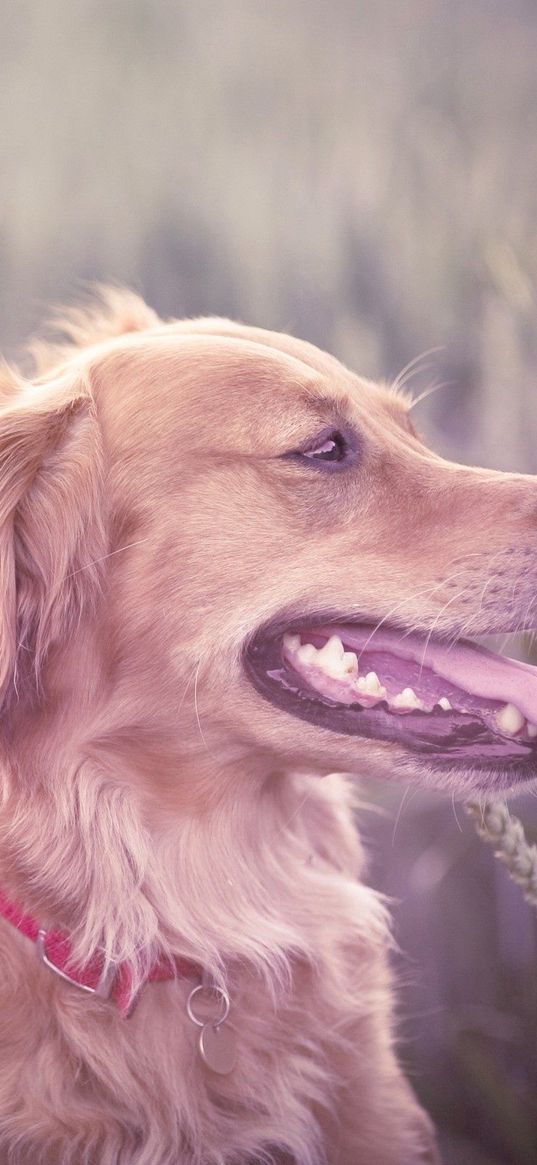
[[103, 990]]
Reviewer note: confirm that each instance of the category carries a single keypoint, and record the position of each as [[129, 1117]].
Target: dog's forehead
[[305, 352], [242, 380], [258, 363], [265, 378]]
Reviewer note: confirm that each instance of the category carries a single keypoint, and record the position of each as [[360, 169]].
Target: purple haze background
[[363, 175]]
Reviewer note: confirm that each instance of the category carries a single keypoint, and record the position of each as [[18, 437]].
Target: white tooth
[[373, 685], [509, 719], [307, 653], [350, 663], [332, 652], [335, 661], [291, 642], [444, 703], [372, 689], [532, 729], [330, 662], [370, 685], [410, 695], [407, 699]]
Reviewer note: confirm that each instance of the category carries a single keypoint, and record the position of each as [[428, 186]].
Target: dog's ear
[[50, 520], [109, 312]]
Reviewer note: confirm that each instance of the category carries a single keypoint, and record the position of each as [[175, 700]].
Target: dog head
[[221, 544]]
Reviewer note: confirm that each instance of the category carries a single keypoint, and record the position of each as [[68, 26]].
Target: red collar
[[54, 949]]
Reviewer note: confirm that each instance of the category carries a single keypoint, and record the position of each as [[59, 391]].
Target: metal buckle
[[102, 990]]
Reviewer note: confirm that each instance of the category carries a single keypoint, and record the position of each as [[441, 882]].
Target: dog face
[[287, 572]]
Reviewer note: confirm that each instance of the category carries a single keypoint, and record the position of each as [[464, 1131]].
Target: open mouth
[[453, 701]]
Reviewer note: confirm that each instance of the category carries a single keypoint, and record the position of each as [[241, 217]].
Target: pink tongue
[[472, 668]]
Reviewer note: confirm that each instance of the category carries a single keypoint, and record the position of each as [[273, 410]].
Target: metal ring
[[224, 1000]]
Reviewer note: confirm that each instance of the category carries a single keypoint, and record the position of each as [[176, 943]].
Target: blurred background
[[365, 176]]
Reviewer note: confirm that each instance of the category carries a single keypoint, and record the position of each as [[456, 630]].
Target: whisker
[[430, 392], [296, 811], [409, 599], [188, 683], [197, 710], [430, 633], [408, 794], [460, 593], [457, 822], [412, 366], [105, 556]]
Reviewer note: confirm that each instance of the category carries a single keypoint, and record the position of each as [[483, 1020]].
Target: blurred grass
[[466, 968], [363, 175]]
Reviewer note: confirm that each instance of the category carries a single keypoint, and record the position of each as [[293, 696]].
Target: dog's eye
[[332, 448], [329, 449]]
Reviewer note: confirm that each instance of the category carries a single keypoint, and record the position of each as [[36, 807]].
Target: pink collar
[[54, 949]]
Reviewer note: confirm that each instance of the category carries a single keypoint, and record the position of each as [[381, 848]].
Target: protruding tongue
[[468, 666]]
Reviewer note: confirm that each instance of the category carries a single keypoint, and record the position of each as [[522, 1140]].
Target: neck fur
[[245, 880]]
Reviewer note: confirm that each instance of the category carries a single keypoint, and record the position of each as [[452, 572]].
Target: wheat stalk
[[498, 828]]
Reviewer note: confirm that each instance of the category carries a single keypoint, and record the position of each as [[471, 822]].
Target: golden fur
[[151, 800]]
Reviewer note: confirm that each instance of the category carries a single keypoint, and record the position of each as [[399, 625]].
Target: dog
[[233, 579]]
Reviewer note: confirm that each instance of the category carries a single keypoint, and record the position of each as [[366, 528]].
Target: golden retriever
[[230, 568]]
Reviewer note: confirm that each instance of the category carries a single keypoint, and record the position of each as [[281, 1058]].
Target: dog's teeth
[[444, 703], [291, 642], [332, 652], [350, 663], [335, 661], [532, 729], [371, 686], [407, 699], [509, 719], [307, 653], [332, 659]]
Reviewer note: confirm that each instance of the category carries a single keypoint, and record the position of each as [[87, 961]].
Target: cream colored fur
[[151, 800]]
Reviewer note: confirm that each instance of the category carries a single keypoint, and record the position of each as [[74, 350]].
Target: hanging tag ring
[[220, 995], [217, 1043]]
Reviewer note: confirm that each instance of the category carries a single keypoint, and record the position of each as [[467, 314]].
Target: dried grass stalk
[[498, 828]]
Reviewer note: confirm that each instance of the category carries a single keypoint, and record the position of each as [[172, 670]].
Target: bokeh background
[[365, 176]]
